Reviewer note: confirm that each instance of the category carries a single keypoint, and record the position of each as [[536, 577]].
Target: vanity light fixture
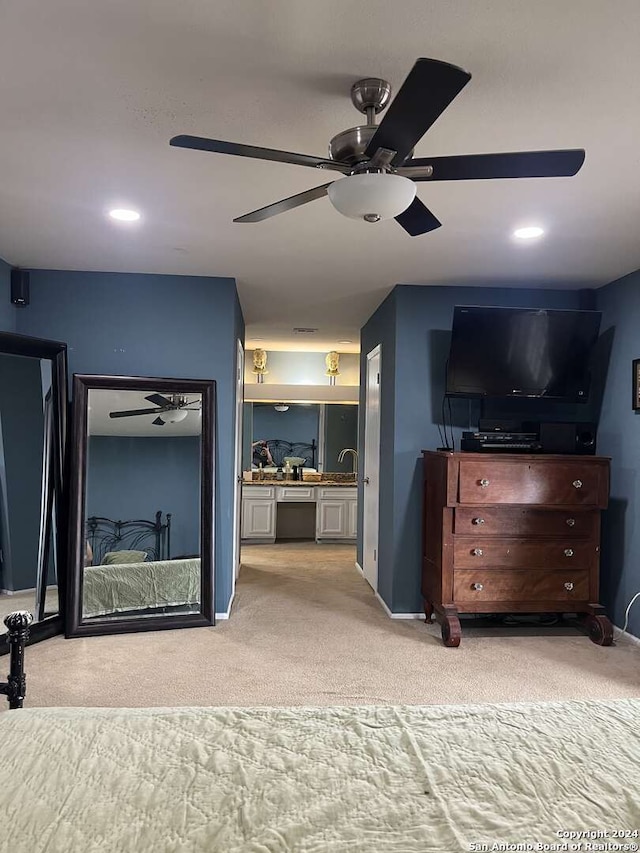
[[529, 232], [260, 364], [332, 361], [122, 214]]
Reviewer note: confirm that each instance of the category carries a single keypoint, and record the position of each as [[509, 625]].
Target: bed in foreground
[[430, 778]]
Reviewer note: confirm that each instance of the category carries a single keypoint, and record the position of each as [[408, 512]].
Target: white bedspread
[[262, 780]]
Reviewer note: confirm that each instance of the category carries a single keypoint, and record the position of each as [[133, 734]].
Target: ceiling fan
[[376, 160], [171, 409]]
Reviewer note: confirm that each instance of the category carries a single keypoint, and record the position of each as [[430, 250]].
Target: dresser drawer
[[488, 585], [514, 521], [565, 483], [469, 551]]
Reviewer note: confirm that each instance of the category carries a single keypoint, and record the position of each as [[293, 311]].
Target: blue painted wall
[[7, 310], [414, 325], [134, 477], [298, 423], [619, 438], [151, 325]]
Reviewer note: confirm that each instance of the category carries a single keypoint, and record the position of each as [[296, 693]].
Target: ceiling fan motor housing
[[371, 93], [350, 145]]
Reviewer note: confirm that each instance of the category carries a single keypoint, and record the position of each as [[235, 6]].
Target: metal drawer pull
[[484, 483], [568, 552], [477, 552], [568, 586], [477, 586], [571, 522], [577, 484], [478, 521]]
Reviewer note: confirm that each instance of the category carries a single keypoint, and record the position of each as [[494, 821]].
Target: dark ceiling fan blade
[[424, 95], [418, 219], [519, 164], [284, 205], [217, 146], [132, 413], [158, 422], [159, 400]]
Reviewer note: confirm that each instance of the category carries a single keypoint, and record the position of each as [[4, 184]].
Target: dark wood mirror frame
[[82, 384], [56, 353]]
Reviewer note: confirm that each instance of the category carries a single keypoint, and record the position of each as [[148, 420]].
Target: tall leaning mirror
[[141, 513], [33, 405]]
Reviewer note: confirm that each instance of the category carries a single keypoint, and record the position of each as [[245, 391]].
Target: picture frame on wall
[[635, 372]]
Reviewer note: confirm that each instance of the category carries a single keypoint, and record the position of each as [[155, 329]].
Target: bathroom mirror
[[33, 406], [317, 432], [141, 504]]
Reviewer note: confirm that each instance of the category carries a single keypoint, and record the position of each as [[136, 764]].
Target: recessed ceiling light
[[345, 342], [124, 215], [530, 232]]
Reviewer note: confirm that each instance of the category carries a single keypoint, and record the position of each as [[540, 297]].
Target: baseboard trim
[[226, 614], [359, 568], [630, 637], [393, 615], [31, 589]]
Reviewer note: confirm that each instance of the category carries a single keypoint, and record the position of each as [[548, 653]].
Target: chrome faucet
[[344, 452]]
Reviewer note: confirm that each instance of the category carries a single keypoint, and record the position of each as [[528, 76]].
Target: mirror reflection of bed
[[319, 441], [142, 505]]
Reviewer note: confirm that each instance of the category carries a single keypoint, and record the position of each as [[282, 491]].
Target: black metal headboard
[[304, 449], [154, 537]]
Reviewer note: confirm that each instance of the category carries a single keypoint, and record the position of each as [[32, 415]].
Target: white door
[[371, 472], [237, 510]]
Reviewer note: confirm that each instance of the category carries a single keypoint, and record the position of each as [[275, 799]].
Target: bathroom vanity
[[333, 504]]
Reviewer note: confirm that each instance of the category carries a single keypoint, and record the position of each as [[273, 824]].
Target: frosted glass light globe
[[174, 416], [372, 195]]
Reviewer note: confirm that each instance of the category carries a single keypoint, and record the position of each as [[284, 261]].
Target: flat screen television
[[521, 352]]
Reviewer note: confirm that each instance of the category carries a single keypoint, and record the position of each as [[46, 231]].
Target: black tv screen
[[521, 352]]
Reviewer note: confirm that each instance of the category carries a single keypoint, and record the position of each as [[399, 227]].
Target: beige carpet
[[307, 630]]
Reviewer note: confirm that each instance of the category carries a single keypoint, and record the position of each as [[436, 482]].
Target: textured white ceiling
[[90, 94]]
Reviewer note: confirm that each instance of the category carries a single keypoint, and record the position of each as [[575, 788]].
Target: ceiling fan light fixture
[[174, 416], [372, 196]]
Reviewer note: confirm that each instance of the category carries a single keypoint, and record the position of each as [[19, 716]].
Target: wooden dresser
[[513, 534]]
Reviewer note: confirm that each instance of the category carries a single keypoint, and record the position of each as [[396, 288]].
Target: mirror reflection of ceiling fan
[[172, 409], [379, 172]]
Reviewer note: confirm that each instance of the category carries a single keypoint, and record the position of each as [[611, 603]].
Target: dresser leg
[[599, 628], [428, 611], [450, 628]]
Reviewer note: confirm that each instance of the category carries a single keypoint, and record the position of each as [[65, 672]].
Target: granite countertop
[[288, 483]]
